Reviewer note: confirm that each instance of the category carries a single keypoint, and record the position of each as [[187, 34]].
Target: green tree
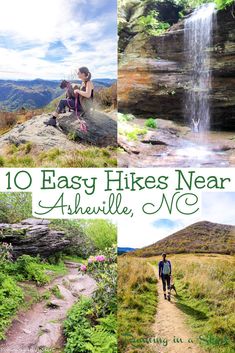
[[103, 233], [222, 4], [15, 207], [151, 25]]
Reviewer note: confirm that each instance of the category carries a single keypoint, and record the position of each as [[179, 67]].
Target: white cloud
[[142, 232], [219, 207], [36, 24], [32, 20]]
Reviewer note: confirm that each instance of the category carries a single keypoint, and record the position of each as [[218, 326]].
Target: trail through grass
[[206, 295], [203, 310]]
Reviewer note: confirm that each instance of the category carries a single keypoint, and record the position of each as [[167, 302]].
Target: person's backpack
[[166, 268]]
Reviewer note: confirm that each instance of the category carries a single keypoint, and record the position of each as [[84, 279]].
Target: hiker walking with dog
[[165, 268], [76, 97]]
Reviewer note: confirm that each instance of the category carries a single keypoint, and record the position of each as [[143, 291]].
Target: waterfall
[[197, 42]]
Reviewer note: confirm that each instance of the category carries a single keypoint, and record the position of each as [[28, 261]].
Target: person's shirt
[[161, 267], [91, 87]]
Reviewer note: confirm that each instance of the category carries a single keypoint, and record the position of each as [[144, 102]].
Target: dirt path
[[41, 326], [170, 322]]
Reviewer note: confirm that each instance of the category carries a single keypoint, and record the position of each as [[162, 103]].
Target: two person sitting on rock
[[76, 97]]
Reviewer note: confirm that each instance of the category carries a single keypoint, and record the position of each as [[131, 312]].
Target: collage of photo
[[117, 84]]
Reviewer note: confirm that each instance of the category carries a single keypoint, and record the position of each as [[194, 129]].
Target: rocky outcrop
[[101, 128], [102, 131], [35, 132], [33, 237], [153, 74]]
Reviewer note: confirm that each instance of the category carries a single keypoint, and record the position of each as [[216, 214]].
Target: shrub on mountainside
[[7, 119], [15, 207], [102, 232], [223, 4], [107, 97], [103, 268], [150, 24], [151, 123]]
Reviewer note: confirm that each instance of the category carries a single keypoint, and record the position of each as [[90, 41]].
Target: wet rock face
[[223, 71], [33, 237], [153, 75]]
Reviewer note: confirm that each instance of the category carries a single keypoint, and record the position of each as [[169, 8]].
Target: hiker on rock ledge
[[164, 268], [76, 97]]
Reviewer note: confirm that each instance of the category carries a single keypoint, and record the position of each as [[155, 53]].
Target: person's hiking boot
[[165, 297], [169, 297], [51, 122]]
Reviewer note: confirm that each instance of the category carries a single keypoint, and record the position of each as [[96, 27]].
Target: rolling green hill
[[28, 94], [201, 237]]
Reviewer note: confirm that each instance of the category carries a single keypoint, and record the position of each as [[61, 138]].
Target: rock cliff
[[33, 237], [153, 74]]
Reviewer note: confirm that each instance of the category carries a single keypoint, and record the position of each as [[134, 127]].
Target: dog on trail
[[173, 288]]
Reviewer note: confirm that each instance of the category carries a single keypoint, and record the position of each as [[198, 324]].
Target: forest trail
[[170, 322], [41, 326]]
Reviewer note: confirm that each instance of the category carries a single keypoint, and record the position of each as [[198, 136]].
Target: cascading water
[[197, 42]]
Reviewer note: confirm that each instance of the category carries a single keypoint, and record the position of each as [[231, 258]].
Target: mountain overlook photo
[[58, 96], [23, 131]]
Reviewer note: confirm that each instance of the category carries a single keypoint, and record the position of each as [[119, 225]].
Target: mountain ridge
[[37, 93], [200, 237]]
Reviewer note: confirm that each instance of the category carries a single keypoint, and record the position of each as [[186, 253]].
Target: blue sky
[[217, 207], [50, 39]]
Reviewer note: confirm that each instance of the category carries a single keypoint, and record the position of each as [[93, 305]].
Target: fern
[[102, 341], [109, 323], [11, 297], [83, 336]]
